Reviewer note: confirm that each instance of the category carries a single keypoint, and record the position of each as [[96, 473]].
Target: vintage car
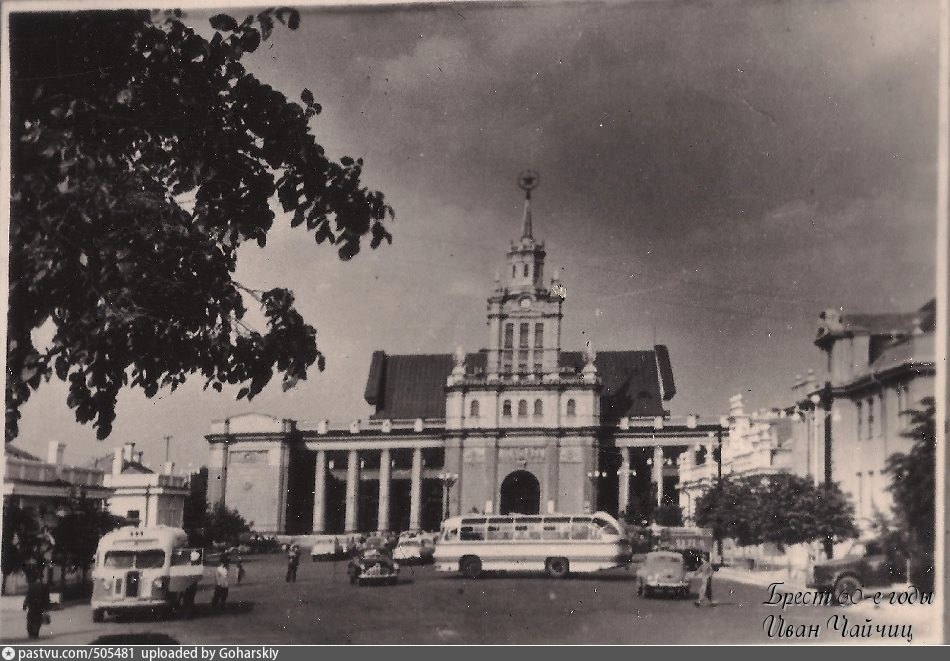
[[415, 548], [328, 548], [663, 572], [373, 564], [865, 565]]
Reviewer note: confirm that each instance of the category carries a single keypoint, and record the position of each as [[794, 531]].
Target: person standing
[[36, 602], [220, 598], [704, 573], [240, 569], [293, 562]]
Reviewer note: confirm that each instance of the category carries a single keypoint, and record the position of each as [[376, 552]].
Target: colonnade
[[350, 519]]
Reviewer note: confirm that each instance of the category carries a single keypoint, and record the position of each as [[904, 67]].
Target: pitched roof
[[834, 323], [413, 386], [14, 451], [130, 467]]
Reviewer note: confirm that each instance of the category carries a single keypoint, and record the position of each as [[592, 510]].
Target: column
[[493, 505], [415, 490], [385, 465], [352, 492], [658, 472], [623, 495], [320, 493]]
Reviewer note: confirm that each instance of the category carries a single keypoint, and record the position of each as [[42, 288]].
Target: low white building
[[47, 486], [143, 495]]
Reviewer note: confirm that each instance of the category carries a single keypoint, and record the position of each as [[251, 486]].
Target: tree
[[779, 508], [225, 525], [195, 512], [78, 533], [668, 514], [913, 485], [143, 157]]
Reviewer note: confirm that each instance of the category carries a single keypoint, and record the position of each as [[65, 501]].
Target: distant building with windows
[[878, 366], [143, 496], [519, 426]]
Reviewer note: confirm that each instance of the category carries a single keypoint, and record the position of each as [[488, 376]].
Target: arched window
[[473, 409], [522, 408], [506, 408], [538, 407], [514, 272], [571, 407], [526, 270]]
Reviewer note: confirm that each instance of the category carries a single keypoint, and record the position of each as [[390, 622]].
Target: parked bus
[[145, 568], [554, 543]]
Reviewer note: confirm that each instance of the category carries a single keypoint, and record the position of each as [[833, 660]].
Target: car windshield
[[664, 560], [857, 550]]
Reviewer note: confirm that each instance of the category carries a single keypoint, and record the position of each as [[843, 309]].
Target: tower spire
[[527, 181], [526, 220]]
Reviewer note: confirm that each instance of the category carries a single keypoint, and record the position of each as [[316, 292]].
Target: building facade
[[45, 487], [519, 426], [843, 425], [142, 495], [878, 367]]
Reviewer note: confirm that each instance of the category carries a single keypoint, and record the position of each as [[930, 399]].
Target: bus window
[[149, 559], [186, 557], [580, 530], [119, 559], [607, 527], [500, 531], [138, 559], [469, 534], [556, 528], [451, 534]]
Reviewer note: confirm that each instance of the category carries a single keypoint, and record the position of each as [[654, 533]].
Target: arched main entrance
[[520, 494]]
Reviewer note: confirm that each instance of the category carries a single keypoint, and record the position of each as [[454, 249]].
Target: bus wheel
[[557, 567], [98, 615], [470, 566]]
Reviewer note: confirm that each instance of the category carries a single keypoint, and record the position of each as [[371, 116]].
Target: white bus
[[145, 568], [554, 543]]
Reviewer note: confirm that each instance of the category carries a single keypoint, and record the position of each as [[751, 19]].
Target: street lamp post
[[447, 480], [594, 476], [824, 398]]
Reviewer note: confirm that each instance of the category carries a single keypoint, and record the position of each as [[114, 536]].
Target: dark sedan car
[[373, 564], [868, 564]]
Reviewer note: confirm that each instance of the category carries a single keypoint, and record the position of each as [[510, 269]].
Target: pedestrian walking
[[220, 597], [36, 603], [240, 570], [293, 562], [704, 573]]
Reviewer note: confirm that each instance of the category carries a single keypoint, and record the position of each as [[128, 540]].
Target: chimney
[[128, 451], [54, 453], [168, 468], [118, 460]]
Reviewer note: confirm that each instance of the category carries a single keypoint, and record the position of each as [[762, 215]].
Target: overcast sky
[[712, 174]]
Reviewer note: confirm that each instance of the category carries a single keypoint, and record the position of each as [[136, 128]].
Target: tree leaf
[[223, 22]]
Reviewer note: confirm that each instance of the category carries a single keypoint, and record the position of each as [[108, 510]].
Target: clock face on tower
[[525, 303]]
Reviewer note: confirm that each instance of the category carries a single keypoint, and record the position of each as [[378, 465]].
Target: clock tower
[[524, 316]]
